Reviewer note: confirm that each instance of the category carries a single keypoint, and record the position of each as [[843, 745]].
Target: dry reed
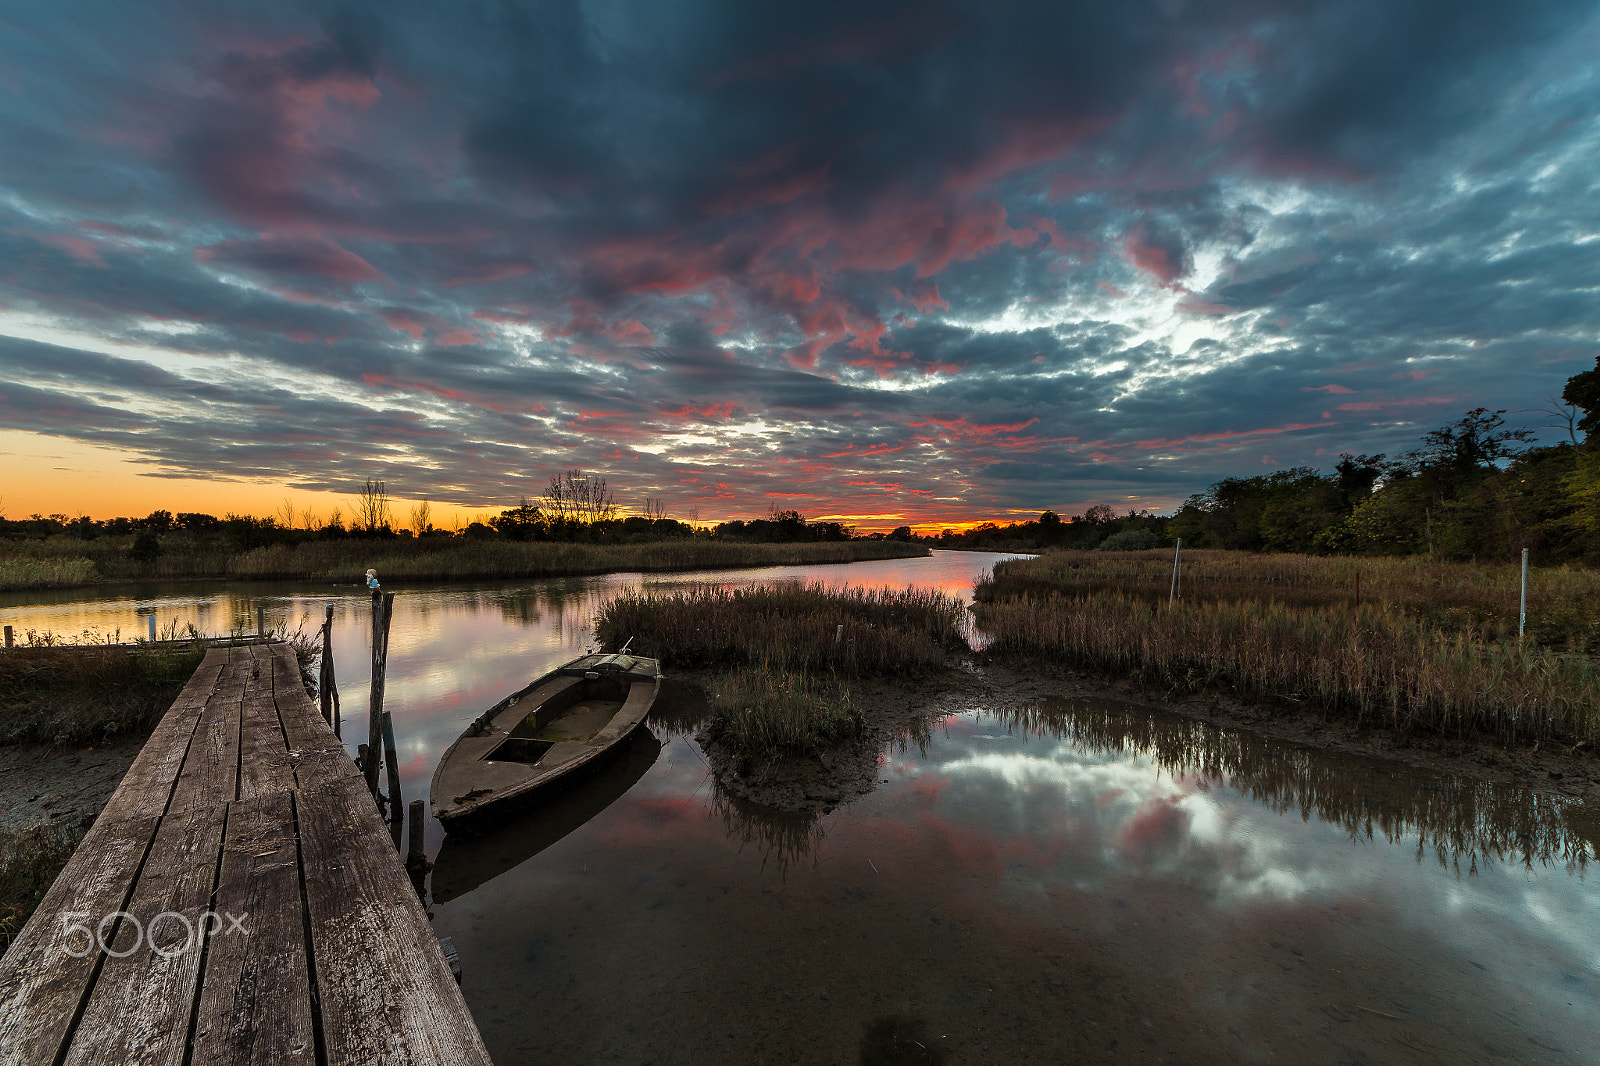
[[1377, 663], [765, 714], [57, 693], [1476, 597], [789, 626], [45, 573], [30, 860]]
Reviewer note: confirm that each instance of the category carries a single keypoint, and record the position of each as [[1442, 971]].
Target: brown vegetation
[[29, 863], [789, 644], [1416, 655], [88, 694], [789, 626]]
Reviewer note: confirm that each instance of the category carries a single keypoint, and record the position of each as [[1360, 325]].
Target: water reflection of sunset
[[1031, 888], [1056, 882]]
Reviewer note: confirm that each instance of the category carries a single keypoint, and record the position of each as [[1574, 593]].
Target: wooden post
[[325, 680], [416, 851], [1172, 596], [151, 618], [9, 638], [375, 698], [1522, 611], [261, 623], [391, 763]]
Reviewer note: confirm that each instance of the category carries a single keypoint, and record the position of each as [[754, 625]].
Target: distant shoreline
[[60, 563]]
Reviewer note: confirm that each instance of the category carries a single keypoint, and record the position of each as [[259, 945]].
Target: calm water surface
[[1063, 881]]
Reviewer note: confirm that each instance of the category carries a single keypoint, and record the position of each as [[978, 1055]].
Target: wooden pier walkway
[[239, 900]]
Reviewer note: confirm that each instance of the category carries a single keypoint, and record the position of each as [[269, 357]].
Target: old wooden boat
[[499, 844], [541, 735]]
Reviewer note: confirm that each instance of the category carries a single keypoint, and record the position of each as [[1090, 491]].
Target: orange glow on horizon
[[53, 475]]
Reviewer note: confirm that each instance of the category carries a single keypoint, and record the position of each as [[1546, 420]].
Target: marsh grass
[[64, 562], [790, 626], [1379, 664], [88, 693], [784, 695], [45, 573], [30, 860], [764, 714], [1477, 598]]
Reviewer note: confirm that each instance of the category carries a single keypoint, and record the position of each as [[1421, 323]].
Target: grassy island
[[786, 650]]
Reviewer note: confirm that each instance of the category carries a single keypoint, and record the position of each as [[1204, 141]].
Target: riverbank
[[64, 562], [906, 711]]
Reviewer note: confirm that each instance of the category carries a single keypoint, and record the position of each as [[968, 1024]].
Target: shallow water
[[1066, 881]]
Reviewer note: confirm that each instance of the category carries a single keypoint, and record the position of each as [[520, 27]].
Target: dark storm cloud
[[1029, 254]]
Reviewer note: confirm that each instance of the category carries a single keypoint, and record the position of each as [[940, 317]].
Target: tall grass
[[765, 714], [1478, 597], [1377, 663], [789, 626], [45, 573], [87, 694]]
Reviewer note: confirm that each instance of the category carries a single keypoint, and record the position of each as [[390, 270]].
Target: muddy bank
[[45, 785], [899, 712]]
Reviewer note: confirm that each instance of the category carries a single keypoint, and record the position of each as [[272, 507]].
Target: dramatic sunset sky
[[923, 263]]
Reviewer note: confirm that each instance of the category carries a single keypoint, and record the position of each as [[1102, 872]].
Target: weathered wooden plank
[[263, 752], [210, 774], [386, 993], [318, 756], [147, 785], [46, 973], [142, 1002], [255, 1000]]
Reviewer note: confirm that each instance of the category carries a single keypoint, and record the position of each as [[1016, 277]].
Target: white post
[[151, 618], [1173, 595], [1522, 616]]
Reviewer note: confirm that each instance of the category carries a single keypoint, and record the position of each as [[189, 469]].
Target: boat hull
[[555, 728]]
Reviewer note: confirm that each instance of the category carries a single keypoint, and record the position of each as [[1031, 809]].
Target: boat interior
[[575, 714]]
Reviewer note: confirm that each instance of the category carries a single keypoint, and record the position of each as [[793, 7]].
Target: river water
[[1063, 881]]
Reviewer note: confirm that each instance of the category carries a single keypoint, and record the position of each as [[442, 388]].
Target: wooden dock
[[239, 900]]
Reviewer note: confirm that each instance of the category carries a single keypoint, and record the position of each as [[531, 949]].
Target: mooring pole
[[325, 675], [261, 623], [416, 852], [375, 697], [391, 763], [1173, 595], [151, 618], [1522, 614], [9, 638]]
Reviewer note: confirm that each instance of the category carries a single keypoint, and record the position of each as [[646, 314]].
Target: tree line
[[1473, 488], [575, 507]]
